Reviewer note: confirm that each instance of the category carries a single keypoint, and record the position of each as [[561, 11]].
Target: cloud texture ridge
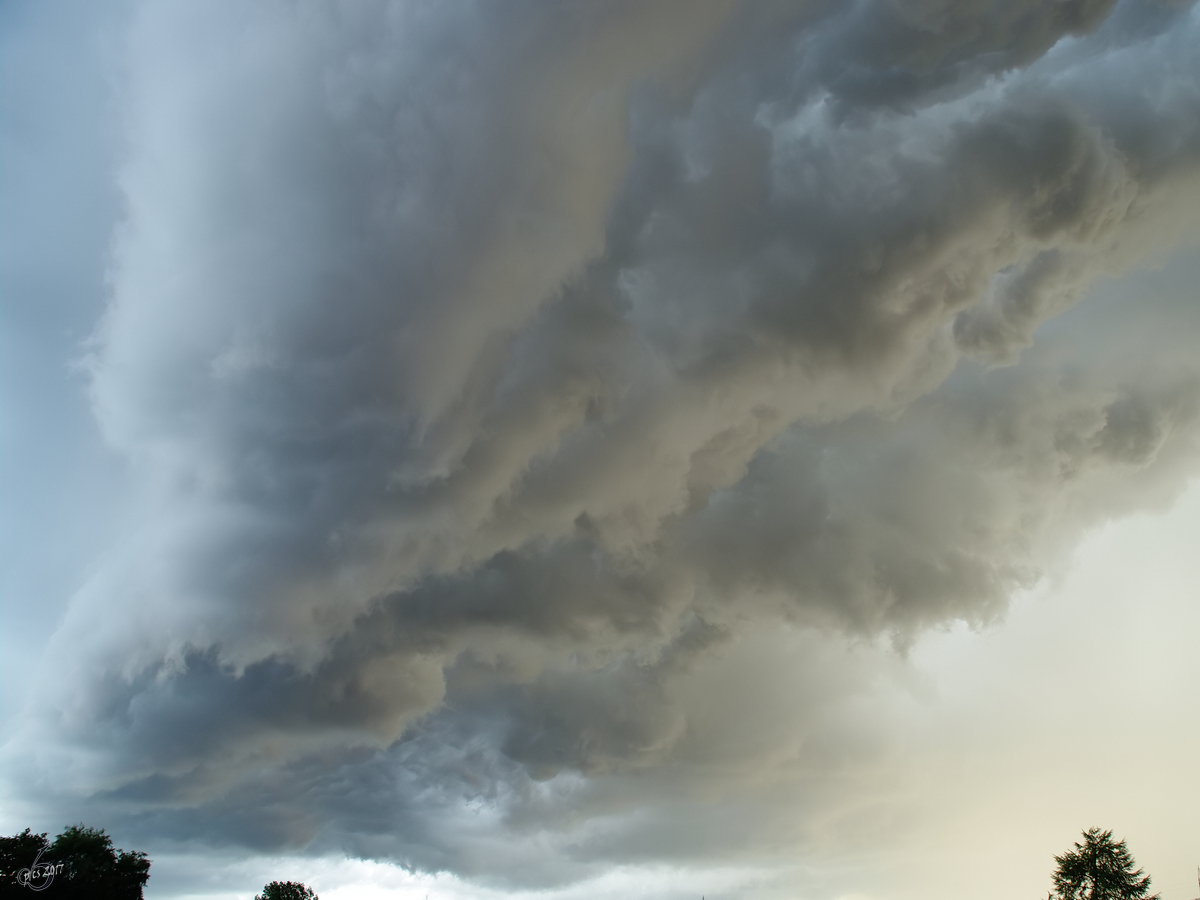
[[499, 378]]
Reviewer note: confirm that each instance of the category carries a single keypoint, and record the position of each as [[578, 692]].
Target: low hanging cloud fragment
[[494, 373]]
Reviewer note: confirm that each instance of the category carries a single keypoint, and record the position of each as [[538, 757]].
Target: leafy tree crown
[[1099, 869], [286, 890], [87, 865], [17, 852]]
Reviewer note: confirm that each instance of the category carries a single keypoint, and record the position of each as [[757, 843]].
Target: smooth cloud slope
[[498, 377]]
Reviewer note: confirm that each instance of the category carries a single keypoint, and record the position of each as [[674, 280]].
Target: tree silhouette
[[286, 890], [1099, 869], [80, 863], [16, 853]]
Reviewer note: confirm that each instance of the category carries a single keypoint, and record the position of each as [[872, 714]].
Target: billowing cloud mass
[[523, 396]]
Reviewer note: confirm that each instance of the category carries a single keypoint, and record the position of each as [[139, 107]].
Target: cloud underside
[[523, 397]]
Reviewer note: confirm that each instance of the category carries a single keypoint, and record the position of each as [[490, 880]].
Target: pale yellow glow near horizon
[[1079, 710]]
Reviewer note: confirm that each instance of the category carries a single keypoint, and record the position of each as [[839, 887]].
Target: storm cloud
[[523, 397]]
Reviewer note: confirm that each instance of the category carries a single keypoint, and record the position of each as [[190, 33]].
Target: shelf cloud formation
[[522, 399]]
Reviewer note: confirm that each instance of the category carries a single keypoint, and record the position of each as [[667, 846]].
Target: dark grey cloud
[[495, 377]]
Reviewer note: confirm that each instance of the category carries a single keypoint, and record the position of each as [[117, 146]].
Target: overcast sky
[[602, 449]]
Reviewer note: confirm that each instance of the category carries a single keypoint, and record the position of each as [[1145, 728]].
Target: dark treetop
[[1099, 869]]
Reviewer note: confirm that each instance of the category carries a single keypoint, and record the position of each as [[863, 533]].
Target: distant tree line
[[82, 864], [79, 864]]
